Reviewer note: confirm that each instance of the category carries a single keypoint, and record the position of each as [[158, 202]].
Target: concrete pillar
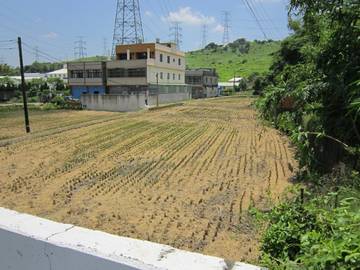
[[128, 54], [148, 53]]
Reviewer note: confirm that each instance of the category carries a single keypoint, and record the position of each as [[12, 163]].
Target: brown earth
[[183, 176]]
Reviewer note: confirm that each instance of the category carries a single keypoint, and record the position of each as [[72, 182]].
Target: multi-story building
[[151, 68], [145, 66], [204, 82]]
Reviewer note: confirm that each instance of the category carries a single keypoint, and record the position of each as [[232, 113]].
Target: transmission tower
[[106, 50], [204, 35], [37, 57], [80, 48], [175, 34], [128, 26], [226, 25]]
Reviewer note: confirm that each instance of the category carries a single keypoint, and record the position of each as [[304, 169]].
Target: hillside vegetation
[[236, 58]]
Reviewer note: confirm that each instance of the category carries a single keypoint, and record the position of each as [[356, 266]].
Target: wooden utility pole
[[157, 87], [234, 83], [23, 87]]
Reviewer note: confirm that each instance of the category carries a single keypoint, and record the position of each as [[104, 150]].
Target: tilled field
[[182, 176]]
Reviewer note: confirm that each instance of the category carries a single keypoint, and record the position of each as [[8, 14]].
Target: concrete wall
[[114, 103], [32, 243], [125, 99]]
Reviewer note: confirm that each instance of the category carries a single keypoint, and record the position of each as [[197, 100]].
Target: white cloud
[[187, 16], [148, 13], [51, 35], [219, 28]]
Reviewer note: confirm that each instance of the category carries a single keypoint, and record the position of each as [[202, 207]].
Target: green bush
[[316, 235]]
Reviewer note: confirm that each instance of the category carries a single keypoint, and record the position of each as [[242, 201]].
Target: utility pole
[[80, 49], [128, 25], [23, 87], [226, 25], [204, 36], [234, 83], [175, 33], [157, 87]]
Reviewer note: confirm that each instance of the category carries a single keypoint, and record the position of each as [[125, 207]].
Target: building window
[[141, 55], [179, 77], [161, 57], [122, 56], [93, 73], [137, 72], [168, 76], [168, 59], [173, 76], [127, 73], [179, 61], [117, 72], [76, 74], [161, 75]]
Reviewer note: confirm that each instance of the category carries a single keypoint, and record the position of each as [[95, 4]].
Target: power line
[[246, 2], [226, 25], [204, 36], [37, 54], [176, 34], [128, 24], [268, 18], [28, 48], [7, 41], [80, 48]]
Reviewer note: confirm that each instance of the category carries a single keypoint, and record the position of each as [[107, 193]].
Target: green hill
[[241, 58]]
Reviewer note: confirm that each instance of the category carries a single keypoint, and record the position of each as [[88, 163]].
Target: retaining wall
[[130, 102], [114, 103], [32, 243]]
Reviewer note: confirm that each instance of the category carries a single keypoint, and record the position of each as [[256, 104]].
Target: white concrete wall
[[169, 98], [114, 103], [129, 103], [32, 243]]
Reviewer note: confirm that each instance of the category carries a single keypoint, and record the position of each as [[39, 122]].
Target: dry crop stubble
[[183, 176]]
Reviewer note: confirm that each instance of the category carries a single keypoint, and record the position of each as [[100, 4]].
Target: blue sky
[[54, 26]]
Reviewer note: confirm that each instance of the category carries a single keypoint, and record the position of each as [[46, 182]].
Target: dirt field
[[181, 176]]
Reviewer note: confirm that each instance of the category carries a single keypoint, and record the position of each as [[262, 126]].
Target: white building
[[60, 74]]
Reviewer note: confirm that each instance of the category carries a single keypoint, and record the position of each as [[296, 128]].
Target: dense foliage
[[321, 234], [315, 80], [38, 90], [313, 95]]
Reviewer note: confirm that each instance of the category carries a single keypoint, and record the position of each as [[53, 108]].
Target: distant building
[[230, 84], [237, 80], [60, 74], [150, 68], [204, 82]]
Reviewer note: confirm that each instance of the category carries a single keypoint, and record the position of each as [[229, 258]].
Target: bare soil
[[184, 176]]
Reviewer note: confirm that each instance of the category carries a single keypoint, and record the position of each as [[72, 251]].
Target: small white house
[[60, 73], [237, 80]]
